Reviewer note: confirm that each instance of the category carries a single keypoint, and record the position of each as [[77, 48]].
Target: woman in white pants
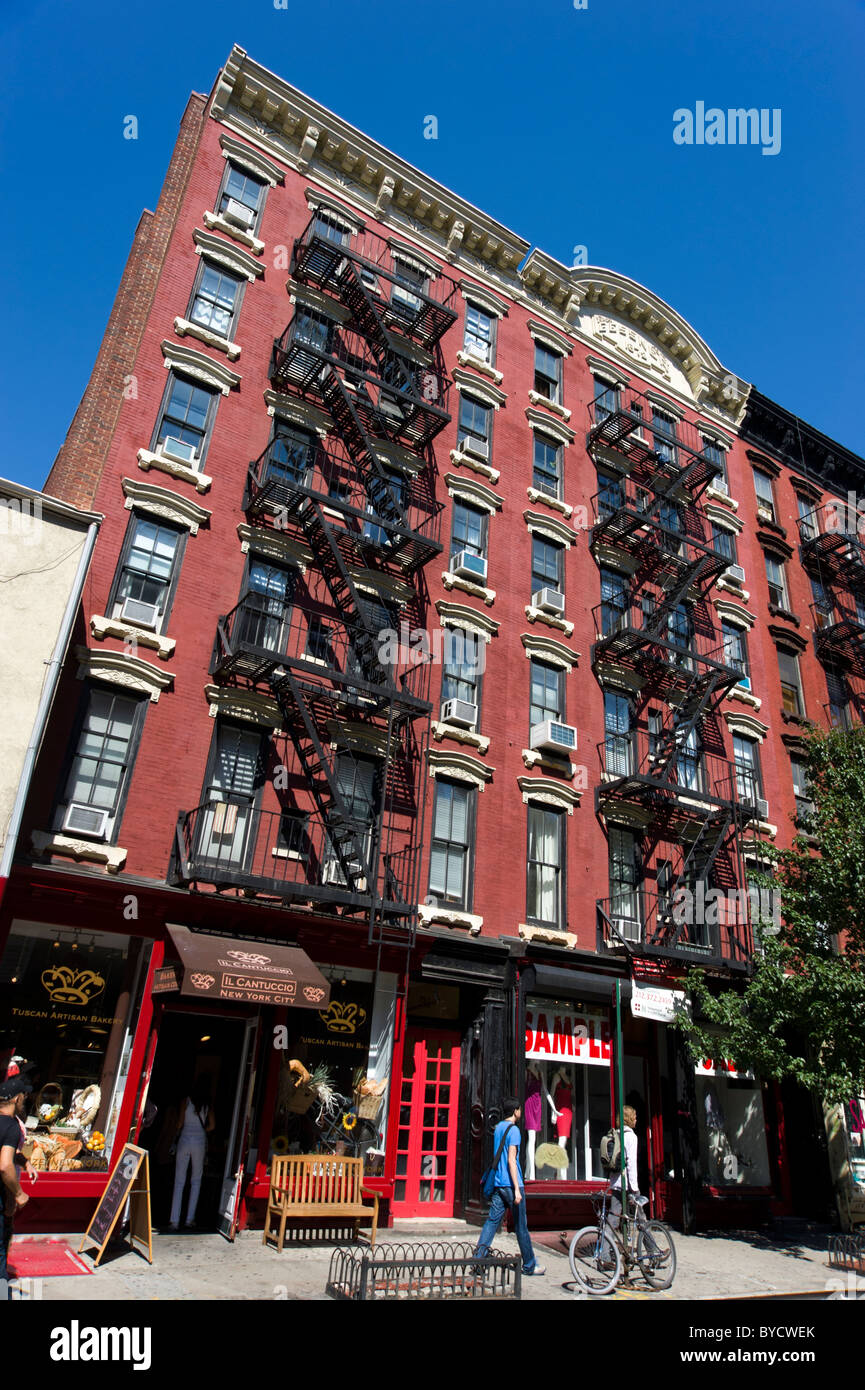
[[198, 1121]]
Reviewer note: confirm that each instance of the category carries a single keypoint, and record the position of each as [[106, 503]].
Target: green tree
[[801, 1014]]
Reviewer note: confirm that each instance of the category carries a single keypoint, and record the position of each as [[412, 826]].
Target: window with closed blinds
[[449, 880], [544, 861]]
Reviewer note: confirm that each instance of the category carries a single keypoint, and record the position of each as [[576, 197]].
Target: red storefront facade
[[599, 529]]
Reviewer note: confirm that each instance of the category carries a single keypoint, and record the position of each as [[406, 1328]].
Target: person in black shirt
[[12, 1093]]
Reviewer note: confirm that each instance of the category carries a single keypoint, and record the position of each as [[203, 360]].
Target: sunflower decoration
[[96, 1142], [349, 1122], [279, 1146]]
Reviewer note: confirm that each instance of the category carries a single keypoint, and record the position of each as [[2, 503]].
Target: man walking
[[509, 1189], [12, 1198]]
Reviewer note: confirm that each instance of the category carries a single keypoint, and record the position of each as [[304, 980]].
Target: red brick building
[[340, 416]]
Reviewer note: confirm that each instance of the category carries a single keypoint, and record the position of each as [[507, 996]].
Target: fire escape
[[834, 558], [362, 505], [665, 774]]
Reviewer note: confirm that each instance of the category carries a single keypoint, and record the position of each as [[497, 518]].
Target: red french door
[[427, 1132]]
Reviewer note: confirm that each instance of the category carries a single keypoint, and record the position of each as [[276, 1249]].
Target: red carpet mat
[[40, 1259]]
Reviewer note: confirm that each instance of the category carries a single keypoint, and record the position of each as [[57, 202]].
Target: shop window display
[[732, 1126], [567, 1090], [68, 1003]]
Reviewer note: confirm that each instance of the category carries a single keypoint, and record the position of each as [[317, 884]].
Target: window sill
[[467, 359], [449, 917], [182, 327], [455, 581], [441, 729], [537, 399], [552, 936], [462, 460], [745, 696], [147, 460], [112, 856], [215, 219], [563, 767], [278, 853], [103, 627], [729, 586], [723, 497], [554, 502], [536, 615]]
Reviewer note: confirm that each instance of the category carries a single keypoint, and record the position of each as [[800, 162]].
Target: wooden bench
[[317, 1187]]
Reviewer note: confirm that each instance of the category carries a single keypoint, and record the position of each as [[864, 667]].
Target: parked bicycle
[[600, 1255]]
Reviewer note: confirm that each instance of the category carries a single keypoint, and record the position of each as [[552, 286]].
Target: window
[[378, 619], [664, 888], [670, 519], [226, 824], [397, 485], [680, 632], [216, 300], [808, 528], [664, 436], [544, 860], [461, 667], [469, 530], [547, 694], [655, 723], [359, 784], [547, 467], [791, 685], [291, 456], [410, 282], [474, 425], [265, 610], [186, 419], [824, 608], [243, 189], [840, 714], [314, 329], [715, 454], [801, 789], [765, 493], [606, 399], [329, 228], [777, 582], [748, 783], [319, 643], [624, 875], [611, 494], [689, 762], [614, 601], [480, 334], [450, 854], [104, 752], [724, 543], [618, 738], [548, 373], [548, 565], [147, 572], [736, 651]]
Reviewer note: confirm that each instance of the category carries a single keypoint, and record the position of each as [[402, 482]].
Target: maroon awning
[[248, 972]]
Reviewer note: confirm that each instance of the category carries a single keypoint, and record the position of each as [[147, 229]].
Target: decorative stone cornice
[[174, 468], [551, 528], [185, 328], [213, 248], [298, 412], [555, 503], [449, 917], [320, 202], [458, 615], [550, 280], [806, 489], [309, 297], [169, 506], [387, 587], [665, 404], [723, 498], [471, 491], [484, 299], [462, 767], [731, 587], [775, 545], [275, 545], [474, 386], [348, 733], [251, 160], [460, 460], [734, 613], [544, 401], [550, 337], [102, 627], [215, 219], [722, 518], [607, 371], [117, 668], [536, 615], [746, 724], [468, 359], [247, 705], [764, 463], [44, 843], [556, 429], [548, 649], [197, 364], [440, 729], [785, 637], [549, 793], [456, 581], [611, 677]]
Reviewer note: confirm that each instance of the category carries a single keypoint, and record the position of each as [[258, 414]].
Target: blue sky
[[557, 121]]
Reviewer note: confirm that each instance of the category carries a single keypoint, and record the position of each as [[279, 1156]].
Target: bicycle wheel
[[656, 1255], [595, 1261], [364, 1136]]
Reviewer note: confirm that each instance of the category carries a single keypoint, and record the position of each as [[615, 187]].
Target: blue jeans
[[503, 1197]]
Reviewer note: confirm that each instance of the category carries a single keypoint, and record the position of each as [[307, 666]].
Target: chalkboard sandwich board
[[132, 1162]]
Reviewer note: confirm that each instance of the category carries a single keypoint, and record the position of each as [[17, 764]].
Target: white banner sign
[[563, 1035], [655, 1003], [721, 1066]]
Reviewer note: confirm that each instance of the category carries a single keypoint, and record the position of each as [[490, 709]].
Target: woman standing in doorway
[[197, 1120]]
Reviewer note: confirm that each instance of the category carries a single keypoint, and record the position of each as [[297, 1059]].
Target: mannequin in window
[[720, 1151], [532, 1113], [563, 1099]]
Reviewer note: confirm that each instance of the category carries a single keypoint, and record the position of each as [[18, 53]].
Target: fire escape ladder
[[674, 596], [362, 452]]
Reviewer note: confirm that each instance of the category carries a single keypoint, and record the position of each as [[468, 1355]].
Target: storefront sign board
[[565, 1035], [656, 1003], [113, 1200], [248, 972]]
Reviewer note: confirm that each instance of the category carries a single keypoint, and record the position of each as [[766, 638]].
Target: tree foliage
[[801, 1014]]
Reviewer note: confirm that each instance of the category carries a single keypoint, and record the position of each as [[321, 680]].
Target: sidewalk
[[710, 1265]]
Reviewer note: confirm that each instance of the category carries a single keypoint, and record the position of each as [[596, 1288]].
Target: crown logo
[[202, 981], [342, 1018], [314, 993], [66, 985]]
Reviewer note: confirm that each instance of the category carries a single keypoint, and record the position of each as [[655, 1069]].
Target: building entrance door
[[427, 1133]]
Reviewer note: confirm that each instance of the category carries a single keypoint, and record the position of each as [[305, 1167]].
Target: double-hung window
[[801, 789], [473, 432], [808, 527], [748, 783], [469, 534], [680, 633], [765, 493], [724, 543], [614, 601], [548, 374], [186, 420], [241, 199], [791, 683], [547, 466], [624, 879], [147, 572], [450, 853], [410, 282], [265, 610], [359, 785], [776, 581], [840, 714], [215, 301], [480, 334], [290, 456], [715, 454], [664, 436], [548, 565], [545, 859], [329, 228], [98, 778], [689, 762], [461, 667], [618, 734], [397, 486], [547, 693], [736, 651], [611, 494], [824, 608], [606, 401]]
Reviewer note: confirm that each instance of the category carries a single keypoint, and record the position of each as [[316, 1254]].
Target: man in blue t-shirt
[[510, 1189]]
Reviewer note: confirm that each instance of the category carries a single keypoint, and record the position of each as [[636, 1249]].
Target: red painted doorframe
[[426, 1133]]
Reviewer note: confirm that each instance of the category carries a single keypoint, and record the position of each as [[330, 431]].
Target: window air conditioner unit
[[626, 928], [765, 514], [478, 448], [178, 449], [762, 808], [479, 350], [735, 573], [549, 601], [468, 565], [239, 214], [86, 820], [721, 485], [554, 737], [460, 712], [143, 614]]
